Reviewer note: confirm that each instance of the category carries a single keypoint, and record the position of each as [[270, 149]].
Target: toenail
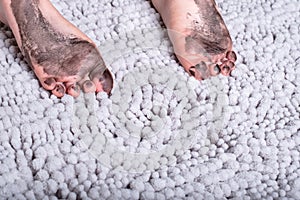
[[60, 89], [88, 84], [49, 81], [76, 88]]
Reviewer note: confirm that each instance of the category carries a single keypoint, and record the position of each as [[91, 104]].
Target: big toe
[[103, 81]]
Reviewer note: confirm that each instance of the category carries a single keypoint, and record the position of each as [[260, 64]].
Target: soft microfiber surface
[[162, 134]]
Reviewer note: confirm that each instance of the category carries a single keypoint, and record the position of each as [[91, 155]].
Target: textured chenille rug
[[161, 134]]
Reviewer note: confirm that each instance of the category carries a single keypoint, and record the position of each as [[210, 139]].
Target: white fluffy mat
[[161, 135]]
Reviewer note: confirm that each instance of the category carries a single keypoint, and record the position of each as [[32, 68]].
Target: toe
[[194, 72], [231, 65], [227, 67], [231, 56], [103, 81], [202, 69], [74, 90], [225, 70], [49, 83], [88, 86], [214, 70], [59, 90]]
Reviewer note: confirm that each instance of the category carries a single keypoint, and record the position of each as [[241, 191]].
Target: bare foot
[[63, 58], [199, 35]]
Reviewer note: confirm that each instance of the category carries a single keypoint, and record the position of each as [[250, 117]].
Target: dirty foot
[[63, 58], [199, 35]]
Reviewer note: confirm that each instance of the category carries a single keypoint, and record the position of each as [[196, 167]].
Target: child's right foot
[[63, 58], [199, 35]]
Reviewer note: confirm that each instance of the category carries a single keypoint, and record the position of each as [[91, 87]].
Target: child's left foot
[[63, 58], [199, 35]]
